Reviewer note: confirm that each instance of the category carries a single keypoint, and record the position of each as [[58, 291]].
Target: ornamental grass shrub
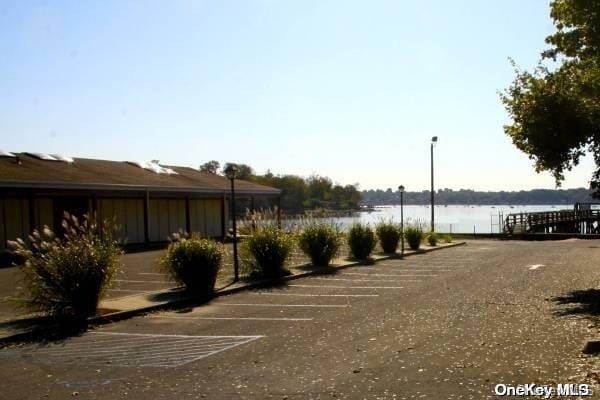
[[65, 276], [389, 235], [361, 241], [447, 238], [193, 262], [414, 236], [267, 250], [432, 238], [320, 241]]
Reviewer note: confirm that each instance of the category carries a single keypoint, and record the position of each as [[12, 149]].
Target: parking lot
[[451, 322]]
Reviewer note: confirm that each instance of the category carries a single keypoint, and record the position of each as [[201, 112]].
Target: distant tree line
[[297, 193], [465, 196], [316, 191]]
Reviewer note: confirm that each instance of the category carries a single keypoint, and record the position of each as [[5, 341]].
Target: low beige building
[[149, 201]]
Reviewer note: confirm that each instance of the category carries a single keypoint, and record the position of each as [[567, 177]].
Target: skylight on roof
[[63, 158], [6, 154], [43, 156], [153, 166]]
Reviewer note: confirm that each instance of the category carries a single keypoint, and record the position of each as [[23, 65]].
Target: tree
[[245, 172], [556, 112], [210, 166], [319, 190]]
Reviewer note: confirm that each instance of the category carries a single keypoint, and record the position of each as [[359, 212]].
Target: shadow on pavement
[[580, 302], [43, 330]]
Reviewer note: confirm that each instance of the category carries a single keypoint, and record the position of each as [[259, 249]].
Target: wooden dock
[[577, 221]]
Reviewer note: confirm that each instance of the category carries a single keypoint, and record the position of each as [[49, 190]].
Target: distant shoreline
[[472, 205]]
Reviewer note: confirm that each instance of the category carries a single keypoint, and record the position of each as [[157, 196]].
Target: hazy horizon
[[338, 89]]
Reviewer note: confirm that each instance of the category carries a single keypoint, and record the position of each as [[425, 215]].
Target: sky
[[351, 90]]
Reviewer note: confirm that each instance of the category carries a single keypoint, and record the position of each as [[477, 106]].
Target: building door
[[74, 205]]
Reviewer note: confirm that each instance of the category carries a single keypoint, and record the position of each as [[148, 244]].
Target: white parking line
[[284, 305], [130, 349], [128, 290], [396, 275], [231, 318], [347, 287], [316, 295], [160, 335], [392, 269], [535, 266], [361, 280]]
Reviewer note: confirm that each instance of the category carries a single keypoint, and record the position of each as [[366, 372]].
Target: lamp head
[[401, 189], [231, 171], [434, 139]]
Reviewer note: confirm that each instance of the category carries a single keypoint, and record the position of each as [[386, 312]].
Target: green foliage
[[193, 262], [267, 250], [551, 122], [65, 277], [311, 193], [414, 236], [244, 172], [556, 113], [361, 241], [210, 167], [432, 238], [467, 196], [577, 29], [321, 241], [447, 238], [388, 234]]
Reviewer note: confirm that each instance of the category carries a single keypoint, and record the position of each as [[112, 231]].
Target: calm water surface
[[452, 218]]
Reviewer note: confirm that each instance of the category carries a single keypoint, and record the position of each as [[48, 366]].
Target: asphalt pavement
[[449, 324]]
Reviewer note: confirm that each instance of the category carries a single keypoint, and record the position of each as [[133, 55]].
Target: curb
[[191, 300]]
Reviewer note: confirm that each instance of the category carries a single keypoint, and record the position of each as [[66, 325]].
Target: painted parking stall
[[232, 323]]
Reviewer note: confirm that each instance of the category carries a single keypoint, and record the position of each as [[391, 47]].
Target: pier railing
[[563, 221]]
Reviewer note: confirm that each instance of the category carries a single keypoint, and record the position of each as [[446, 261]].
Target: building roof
[[29, 171]]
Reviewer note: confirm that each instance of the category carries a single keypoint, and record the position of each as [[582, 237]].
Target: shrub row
[[66, 276]]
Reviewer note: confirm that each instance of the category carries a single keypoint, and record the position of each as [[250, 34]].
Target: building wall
[[43, 212], [14, 219], [205, 217], [167, 216], [128, 214]]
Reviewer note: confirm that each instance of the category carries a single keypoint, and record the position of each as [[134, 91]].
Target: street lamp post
[[401, 190], [231, 173], [433, 142]]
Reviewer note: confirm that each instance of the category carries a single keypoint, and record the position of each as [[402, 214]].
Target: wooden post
[[32, 222], [279, 212], [188, 221], [223, 222], [147, 217]]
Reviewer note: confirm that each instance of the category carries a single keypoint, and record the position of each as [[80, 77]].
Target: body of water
[[451, 218]]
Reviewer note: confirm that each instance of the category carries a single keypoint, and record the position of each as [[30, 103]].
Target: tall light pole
[[433, 142], [231, 173], [401, 190]]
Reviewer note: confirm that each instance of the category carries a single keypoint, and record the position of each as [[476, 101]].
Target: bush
[[361, 241], [447, 238], [193, 262], [389, 236], [321, 242], [66, 277], [414, 236], [432, 238], [268, 250]]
